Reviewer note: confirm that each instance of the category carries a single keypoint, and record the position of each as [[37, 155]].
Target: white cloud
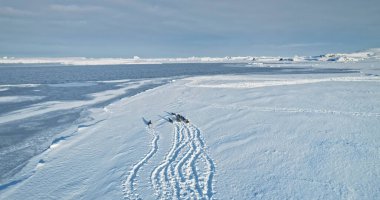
[[10, 11], [74, 8], [300, 45]]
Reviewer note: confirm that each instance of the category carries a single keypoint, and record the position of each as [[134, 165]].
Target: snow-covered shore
[[275, 136]]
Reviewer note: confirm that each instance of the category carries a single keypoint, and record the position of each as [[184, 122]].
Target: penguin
[[177, 117]]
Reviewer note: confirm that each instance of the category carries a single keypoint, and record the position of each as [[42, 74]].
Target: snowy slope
[[278, 136]]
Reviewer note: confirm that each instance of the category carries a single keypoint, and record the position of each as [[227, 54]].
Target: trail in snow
[[187, 170], [129, 190]]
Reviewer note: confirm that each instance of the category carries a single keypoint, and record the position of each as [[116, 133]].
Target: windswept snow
[[285, 135], [15, 99], [229, 82], [84, 84], [2, 89]]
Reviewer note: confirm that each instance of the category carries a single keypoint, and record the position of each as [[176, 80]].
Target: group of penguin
[[174, 117], [178, 118]]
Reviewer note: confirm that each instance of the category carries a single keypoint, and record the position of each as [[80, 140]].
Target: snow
[[14, 99], [338, 57], [84, 84], [2, 89], [228, 82], [274, 136], [349, 57]]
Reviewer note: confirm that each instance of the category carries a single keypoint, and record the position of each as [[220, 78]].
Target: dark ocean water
[[50, 74]]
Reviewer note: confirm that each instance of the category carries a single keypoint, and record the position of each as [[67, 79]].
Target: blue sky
[[176, 28]]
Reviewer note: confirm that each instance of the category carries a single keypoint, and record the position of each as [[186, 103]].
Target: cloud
[[186, 28], [10, 11], [301, 45], [74, 8]]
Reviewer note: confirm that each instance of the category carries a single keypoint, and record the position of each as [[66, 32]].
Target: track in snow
[[129, 184], [187, 170]]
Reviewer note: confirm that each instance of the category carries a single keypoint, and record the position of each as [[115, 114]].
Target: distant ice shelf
[[331, 57]]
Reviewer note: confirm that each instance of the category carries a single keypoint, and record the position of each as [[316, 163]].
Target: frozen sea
[[26, 86], [42, 105]]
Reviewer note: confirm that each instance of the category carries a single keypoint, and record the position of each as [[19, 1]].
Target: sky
[[182, 28]]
